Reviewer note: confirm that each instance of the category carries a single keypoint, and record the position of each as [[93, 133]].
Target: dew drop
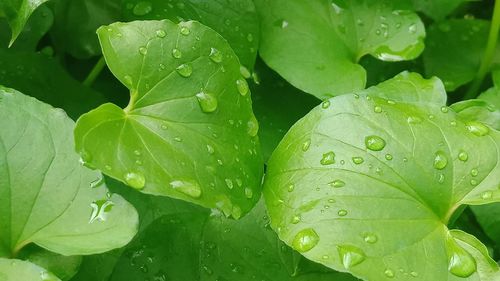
[[142, 8], [210, 149], [252, 126], [374, 143], [160, 33], [306, 145], [325, 104], [207, 102], [440, 160], [291, 187], [414, 120], [296, 219], [444, 109], [305, 240], [342, 213], [135, 180], [47, 276], [370, 238], [187, 187], [389, 273], [242, 86], [328, 158], [350, 255], [229, 183], [97, 182], [474, 172], [412, 28], [176, 53], [477, 128], [388, 157], [463, 156], [337, 183], [143, 50], [486, 195], [248, 193], [215, 55], [358, 160], [100, 210], [185, 30], [184, 70], [377, 109], [460, 262]]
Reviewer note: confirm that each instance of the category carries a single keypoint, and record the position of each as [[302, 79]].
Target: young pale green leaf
[[46, 196], [374, 198], [43, 77], [17, 13], [15, 270], [457, 61], [319, 54], [188, 131], [237, 21]]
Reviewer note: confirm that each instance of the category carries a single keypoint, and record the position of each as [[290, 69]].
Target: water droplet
[[185, 30], [291, 187], [377, 109], [296, 219], [477, 128], [184, 70], [460, 262], [100, 209], [306, 145], [463, 156], [325, 104], [374, 143], [242, 86], [389, 273], [441, 178], [215, 55], [328, 158], [388, 157], [187, 187], [487, 195], [358, 160], [207, 102], [444, 109], [370, 238], [305, 240], [142, 8], [47, 276], [337, 183], [473, 182], [440, 160], [414, 274], [160, 33], [284, 24], [135, 180], [414, 120], [143, 50], [97, 182], [342, 213], [350, 255], [229, 183], [176, 53], [252, 126], [178, 139], [412, 28], [248, 193], [474, 172]]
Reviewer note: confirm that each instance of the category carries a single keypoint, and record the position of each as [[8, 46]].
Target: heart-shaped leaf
[[374, 197], [46, 196], [17, 13], [188, 131], [319, 54]]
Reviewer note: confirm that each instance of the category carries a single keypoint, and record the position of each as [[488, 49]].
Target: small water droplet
[[97, 182], [389, 273], [47, 276], [414, 120], [142, 8], [210, 149], [185, 30], [370, 238], [444, 109], [215, 55], [473, 182], [374, 143], [305, 240], [248, 193], [242, 86], [252, 126], [463, 156], [342, 213], [350, 255], [143, 50], [296, 219], [208, 102], [176, 53], [440, 160], [135, 180], [328, 158], [412, 28], [160, 33], [414, 274], [284, 24], [325, 104], [229, 183], [190, 188], [487, 195], [474, 172], [337, 183], [184, 70], [357, 160], [306, 145], [100, 209], [377, 109], [477, 128], [441, 178], [291, 187]]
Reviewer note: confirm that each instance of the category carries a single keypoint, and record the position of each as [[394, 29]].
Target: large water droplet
[[305, 240], [460, 262], [142, 8], [440, 160], [184, 70], [100, 209], [328, 158], [350, 255], [477, 128], [187, 187], [242, 86], [207, 102], [374, 143], [215, 55], [135, 180]]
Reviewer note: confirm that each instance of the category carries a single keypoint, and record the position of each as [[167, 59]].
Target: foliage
[[321, 140]]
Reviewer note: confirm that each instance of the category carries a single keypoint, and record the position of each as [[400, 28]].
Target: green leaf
[[188, 131], [77, 21], [15, 270], [43, 77], [348, 198], [488, 217], [437, 9], [61, 266], [237, 21], [272, 93], [478, 110], [319, 54], [457, 61], [46, 196], [17, 13], [492, 95]]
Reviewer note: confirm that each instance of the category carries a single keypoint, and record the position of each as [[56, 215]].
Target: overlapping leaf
[[17, 13], [374, 199], [188, 131]]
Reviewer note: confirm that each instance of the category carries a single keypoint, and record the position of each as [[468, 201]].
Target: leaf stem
[[488, 53], [94, 73]]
